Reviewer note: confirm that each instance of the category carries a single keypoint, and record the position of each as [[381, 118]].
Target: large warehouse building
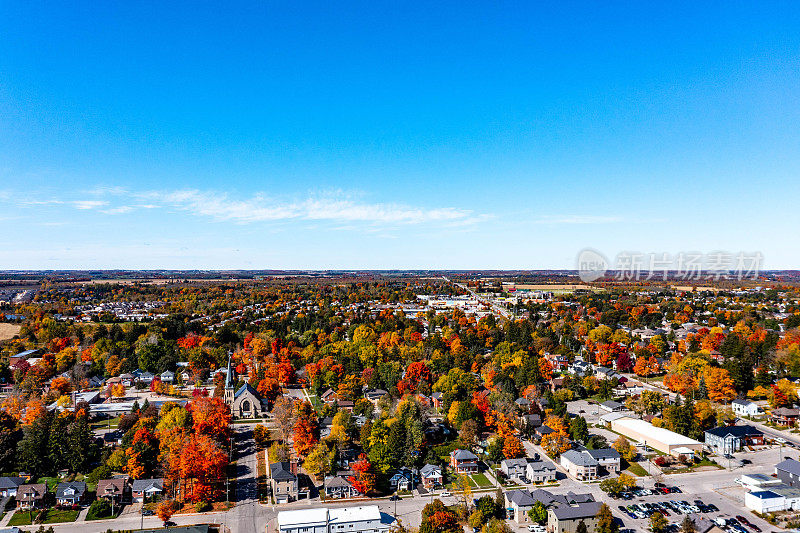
[[661, 439]]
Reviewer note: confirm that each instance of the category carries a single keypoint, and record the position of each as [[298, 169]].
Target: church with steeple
[[245, 402]]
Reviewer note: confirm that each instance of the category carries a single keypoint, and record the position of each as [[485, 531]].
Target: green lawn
[[636, 469], [23, 518], [51, 482], [112, 423], [482, 481]]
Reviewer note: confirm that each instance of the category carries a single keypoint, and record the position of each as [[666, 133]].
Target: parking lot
[[636, 511]]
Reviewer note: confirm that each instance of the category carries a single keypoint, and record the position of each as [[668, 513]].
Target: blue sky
[[395, 135]]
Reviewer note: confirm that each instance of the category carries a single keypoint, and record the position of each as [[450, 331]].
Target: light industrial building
[[661, 439]]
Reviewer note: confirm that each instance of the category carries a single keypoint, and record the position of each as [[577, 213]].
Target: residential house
[[558, 361], [167, 377], [329, 396], [115, 489], [31, 495], [9, 486], [540, 471], [146, 377], [403, 479], [581, 466], [339, 486], [580, 369], [788, 471], [514, 468], [375, 395], [784, 416], [464, 462], [518, 503], [729, 439], [283, 481], [543, 430], [71, 493], [436, 400], [523, 404], [567, 518], [604, 373], [607, 458], [556, 383], [530, 421], [431, 476], [146, 489], [746, 408]]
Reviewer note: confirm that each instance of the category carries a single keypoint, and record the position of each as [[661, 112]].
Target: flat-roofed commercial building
[[361, 519], [661, 439]]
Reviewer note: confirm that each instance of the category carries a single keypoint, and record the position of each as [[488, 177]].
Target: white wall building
[[362, 519]]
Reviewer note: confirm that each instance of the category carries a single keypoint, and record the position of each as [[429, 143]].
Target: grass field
[[8, 331], [482, 481], [23, 518], [637, 470]]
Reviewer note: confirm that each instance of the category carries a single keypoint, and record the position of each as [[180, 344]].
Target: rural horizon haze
[[378, 135]]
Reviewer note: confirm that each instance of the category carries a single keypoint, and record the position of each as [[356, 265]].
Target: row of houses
[[528, 470], [118, 489]]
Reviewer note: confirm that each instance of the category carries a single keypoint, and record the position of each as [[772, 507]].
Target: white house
[[746, 408], [540, 471]]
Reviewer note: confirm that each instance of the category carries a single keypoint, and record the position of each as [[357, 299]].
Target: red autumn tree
[[364, 479], [416, 373]]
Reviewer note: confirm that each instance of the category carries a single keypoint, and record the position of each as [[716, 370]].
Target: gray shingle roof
[[144, 484], [464, 455], [579, 458], [789, 465], [79, 487], [281, 472], [582, 510]]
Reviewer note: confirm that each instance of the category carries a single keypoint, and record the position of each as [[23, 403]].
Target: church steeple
[[229, 383]]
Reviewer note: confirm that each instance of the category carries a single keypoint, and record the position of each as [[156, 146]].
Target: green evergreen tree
[[702, 389]]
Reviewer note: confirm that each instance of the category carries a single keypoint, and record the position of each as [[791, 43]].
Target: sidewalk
[[7, 518], [82, 514]]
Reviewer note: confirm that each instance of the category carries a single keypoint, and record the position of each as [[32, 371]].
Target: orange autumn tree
[[210, 416], [512, 448], [203, 465], [165, 510], [719, 383], [33, 411], [305, 430]]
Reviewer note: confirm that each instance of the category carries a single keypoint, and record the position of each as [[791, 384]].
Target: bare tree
[[283, 412]]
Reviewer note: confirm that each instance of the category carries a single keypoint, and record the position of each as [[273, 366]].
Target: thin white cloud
[[89, 204], [121, 210], [260, 208]]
